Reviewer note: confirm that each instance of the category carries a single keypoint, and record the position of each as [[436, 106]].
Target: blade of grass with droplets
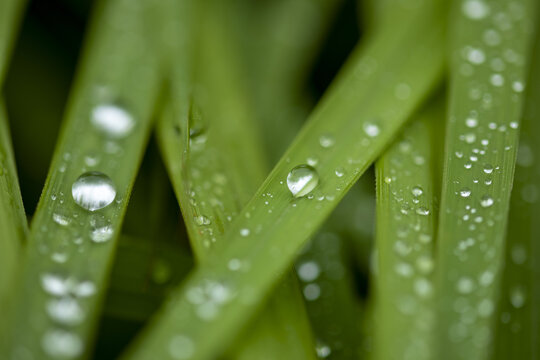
[[403, 300], [13, 227], [371, 99], [518, 316], [212, 181], [78, 218], [490, 49], [280, 60]]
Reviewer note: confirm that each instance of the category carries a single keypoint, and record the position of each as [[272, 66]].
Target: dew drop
[[181, 347], [475, 9], [326, 141], [302, 180], [471, 122], [113, 120], [308, 271], [312, 292], [244, 232], [486, 201], [371, 129], [488, 168], [417, 191], [465, 192], [62, 344], [66, 311], [93, 191], [101, 234], [423, 211]]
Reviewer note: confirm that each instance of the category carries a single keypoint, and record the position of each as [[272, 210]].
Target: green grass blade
[[518, 319], [363, 113], [10, 12], [217, 169], [70, 248], [13, 227], [406, 216], [490, 48]]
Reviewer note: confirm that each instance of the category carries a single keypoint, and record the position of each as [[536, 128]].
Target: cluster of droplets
[[410, 259], [209, 297], [65, 308]]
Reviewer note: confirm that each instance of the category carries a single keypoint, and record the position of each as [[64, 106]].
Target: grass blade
[[220, 145], [406, 209], [481, 143], [70, 248], [13, 227], [269, 241], [10, 12], [518, 319]]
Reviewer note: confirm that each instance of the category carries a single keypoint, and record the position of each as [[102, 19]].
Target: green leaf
[[214, 158], [376, 92], [490, 47], [13, 227], [406, 218], [70, 247], [10, 13], [518, 316]]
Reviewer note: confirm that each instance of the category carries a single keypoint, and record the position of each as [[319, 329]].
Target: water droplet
[[488, 168], [497, 80], [471, 122], [308, 271], [101, 234], [234, 264], [322, 350], [465, 285], [422, 211], [517, 297], [470, 138], [202, 220], [62, 344], [465, 192], [113, 120], [60, 219], [312, 292], [326, 141], [181, 347], [311, 161], [417, 191], [244, 232], [66, 311], [302, 180], [93, 191], [518, 86], [476, 56], [486, 201], [54, 284], [371, 129], [475, 9]]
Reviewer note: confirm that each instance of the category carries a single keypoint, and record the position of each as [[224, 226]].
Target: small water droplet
[[101, 234], [517, 297], [312, 292], [61, 220], [323, 351], [340, 172], [308, 271], [244, 232], [302, 180], [113, 120], [475, 9], [471, 122], [371, 129], [181, 347], [93, 191], [465, 192], [465, 285], [488, 168], [417, 191], [422, 211], [326, 141], [65, 311], [62, 344], [202, 220], [486, 201]]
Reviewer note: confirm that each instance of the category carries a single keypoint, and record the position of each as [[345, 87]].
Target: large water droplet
[[93, 191], [302, 180], [113, 120]]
